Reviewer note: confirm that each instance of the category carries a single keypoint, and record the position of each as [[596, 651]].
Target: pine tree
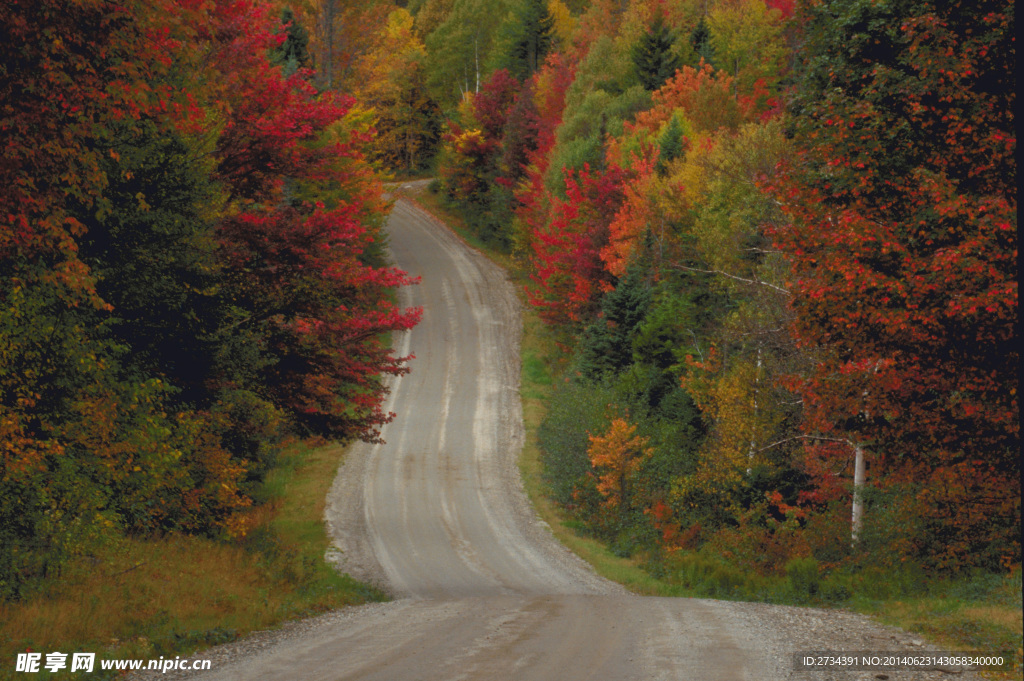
[[670, 144], [607, 345]]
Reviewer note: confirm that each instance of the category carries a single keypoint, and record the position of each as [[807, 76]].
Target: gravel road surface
[[437, 517]]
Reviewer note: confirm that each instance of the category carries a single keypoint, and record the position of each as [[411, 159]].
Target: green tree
[[607, 345], [524, 38], [700, 41], [653, 57], [670, 144], [154, 257], [293, 53], [748, 42], [460, 48]]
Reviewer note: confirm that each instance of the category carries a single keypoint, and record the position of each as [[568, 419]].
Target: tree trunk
[[858, 495], [326, 66]]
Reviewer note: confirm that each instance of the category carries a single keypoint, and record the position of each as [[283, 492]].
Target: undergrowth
[[146, 598]]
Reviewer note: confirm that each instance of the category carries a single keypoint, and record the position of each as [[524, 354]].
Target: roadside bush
[[252, 429], [804, 578], [575, 412], [710, 577]]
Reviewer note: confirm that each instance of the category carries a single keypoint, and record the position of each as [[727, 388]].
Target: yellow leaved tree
[[616, 456]]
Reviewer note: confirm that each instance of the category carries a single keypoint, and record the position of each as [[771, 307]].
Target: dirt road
[[438, 518]]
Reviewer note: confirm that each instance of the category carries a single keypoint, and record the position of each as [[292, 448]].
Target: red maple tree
[[297, 267], [902, 237]]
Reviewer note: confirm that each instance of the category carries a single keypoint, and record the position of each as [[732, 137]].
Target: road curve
[[438, 518], [438, 511]]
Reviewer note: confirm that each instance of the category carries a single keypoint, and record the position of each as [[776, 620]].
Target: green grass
[[174, 595], [975, 613]]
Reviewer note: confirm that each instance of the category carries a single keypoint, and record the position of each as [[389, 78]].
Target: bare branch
[[733, 276], [806, 437], [696, 344]]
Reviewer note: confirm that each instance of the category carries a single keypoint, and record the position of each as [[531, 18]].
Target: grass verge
[[176, 595], [987, 623]]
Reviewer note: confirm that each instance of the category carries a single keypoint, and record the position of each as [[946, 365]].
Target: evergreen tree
[[154, 257], [293, 53], [538, 34], [700, 40], [670, 144], [653, 58], [607, 345]]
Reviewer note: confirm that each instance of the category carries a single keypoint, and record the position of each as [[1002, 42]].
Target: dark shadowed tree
[[653, 58]]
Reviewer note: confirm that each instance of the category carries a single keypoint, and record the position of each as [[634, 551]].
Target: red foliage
[[550, 86], [298, 268], [552, 82], [636, 215], [673, 536], [785, 7], [521, 137], [569, 274], [492, 104], [902, 238], [270, 119]]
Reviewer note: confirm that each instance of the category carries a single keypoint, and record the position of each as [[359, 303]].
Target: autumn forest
[[773, 244]]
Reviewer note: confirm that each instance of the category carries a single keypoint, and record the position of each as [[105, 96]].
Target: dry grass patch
[[1008, 618]]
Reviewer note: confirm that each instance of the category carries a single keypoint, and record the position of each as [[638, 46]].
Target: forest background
[[773, 246]]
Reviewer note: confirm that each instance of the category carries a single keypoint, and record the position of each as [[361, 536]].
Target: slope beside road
[[437, 517]]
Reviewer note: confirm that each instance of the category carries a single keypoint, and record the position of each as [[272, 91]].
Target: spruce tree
[[670, 144], [700, 40], [293, 53], [607, 344], [653, 58]]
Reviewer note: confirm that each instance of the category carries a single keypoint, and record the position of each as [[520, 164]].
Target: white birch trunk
[[858, 495]]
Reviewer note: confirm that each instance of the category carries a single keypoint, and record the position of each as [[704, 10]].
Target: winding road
[[438, 518]]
